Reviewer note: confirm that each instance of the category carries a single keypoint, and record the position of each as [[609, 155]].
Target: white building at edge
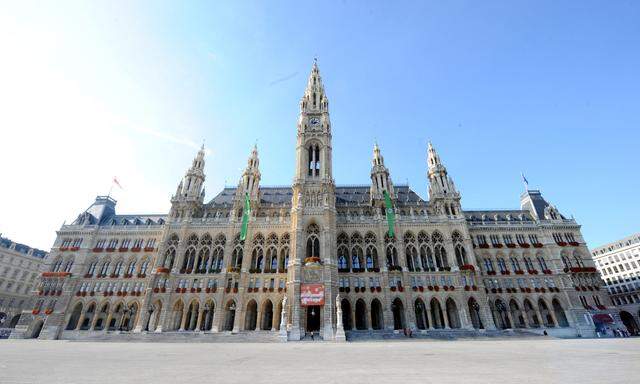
[[619, 265], [19, 272], [318, 257]]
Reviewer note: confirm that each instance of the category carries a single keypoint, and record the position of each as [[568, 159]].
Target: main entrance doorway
[[313, 318]]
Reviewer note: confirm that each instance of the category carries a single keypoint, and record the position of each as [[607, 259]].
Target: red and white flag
[[115, 181]]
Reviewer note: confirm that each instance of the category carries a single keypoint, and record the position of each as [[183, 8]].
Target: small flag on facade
[[391, 216], [245, 217]]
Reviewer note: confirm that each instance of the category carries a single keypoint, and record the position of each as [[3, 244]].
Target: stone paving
[[536, 360]]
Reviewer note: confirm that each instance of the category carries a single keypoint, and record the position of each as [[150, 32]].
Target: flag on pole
[[524, 180], [245, 217], [391, 216], [116, 182]]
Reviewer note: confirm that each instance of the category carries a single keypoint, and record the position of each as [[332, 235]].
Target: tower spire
[[314, 98], [380, 178], [313, 157], [444, 199], [250, 180], [189, 197]]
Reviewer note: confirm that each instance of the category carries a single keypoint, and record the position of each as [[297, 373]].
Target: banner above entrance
[[311, 294]]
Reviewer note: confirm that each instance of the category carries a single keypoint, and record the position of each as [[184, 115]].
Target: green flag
[[245, 217], [391, 217]]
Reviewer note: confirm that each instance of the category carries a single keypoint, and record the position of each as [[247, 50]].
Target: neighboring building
[[619, 266], [19, 269], [334, 252]]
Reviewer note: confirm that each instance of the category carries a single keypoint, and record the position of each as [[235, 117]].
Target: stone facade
[[19, 270], [619, 264], [320, 250]]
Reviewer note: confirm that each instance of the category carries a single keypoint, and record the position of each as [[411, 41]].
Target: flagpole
[[525, 181]]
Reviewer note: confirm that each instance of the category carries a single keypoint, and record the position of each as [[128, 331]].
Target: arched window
[[461, 255], [411, 254], [236, 258], [392, 256], [314, 160], [578, 260], [272, 258], [371, 257], [502, 265], [515, 265], [92, 268], [342, 262], [57, 265], [144, 267], [284, 259], [313, 242], [528, 263], [441, 257], [117, 269], [542, 263], [105, 268], [68, 266], [357, 262], [131, 268]]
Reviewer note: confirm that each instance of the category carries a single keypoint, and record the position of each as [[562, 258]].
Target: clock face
[[314, 121]]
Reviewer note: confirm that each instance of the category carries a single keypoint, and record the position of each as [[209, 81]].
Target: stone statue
[[283, 314], [283, 320], [340, 335]]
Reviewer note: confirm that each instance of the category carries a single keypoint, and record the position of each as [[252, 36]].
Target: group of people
[[617, 332]]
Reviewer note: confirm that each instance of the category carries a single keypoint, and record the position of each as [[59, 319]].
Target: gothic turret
[[444, 199], [250, 181], [187, 202], [380, 179]]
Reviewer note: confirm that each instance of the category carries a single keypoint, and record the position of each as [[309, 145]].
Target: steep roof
[[348, 195], [22, 248]]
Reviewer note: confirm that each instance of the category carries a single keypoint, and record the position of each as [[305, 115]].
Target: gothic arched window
[[313, 241]]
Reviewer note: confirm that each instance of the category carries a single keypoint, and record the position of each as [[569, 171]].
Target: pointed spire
[[377, 157], [253, 162], [314, 99], [380, 178], [443, 197], [250, 180], [432, 158]]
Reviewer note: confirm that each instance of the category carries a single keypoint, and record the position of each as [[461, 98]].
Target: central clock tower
[[313, 216]]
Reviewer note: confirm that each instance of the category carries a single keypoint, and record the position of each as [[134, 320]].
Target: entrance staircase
[[175, 337], [437, 334]]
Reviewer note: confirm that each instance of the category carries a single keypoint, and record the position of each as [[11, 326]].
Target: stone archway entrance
[[629, 322], [313, 318], [398, 314]]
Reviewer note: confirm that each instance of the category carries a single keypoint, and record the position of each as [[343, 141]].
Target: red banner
[[311, 294]]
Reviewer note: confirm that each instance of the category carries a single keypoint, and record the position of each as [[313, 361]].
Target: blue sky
[[97, 89]]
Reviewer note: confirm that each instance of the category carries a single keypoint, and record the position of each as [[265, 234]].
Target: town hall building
[[282, 263]]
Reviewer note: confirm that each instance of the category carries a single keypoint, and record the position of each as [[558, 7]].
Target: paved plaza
[[468, 361]]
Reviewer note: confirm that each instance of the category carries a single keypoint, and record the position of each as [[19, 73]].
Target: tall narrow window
[[317, 161]]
